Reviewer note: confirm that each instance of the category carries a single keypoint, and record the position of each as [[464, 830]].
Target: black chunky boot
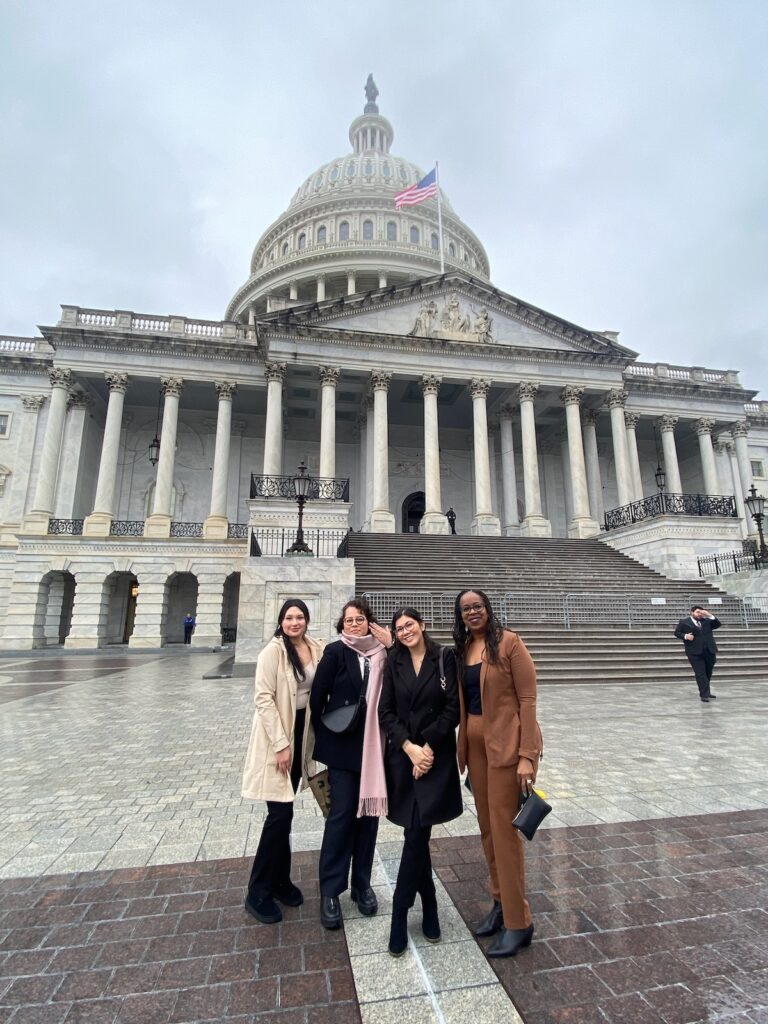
[[430, 922], [398, 934]]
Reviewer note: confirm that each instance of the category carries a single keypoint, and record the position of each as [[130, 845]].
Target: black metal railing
[[237, 531], [730, 561], [186, 530], [321, 488], [275, 540], [663, 504], [126, 528], [71, 527]]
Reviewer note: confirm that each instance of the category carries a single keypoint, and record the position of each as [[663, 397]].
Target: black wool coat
[[338, 681], [421, 710]]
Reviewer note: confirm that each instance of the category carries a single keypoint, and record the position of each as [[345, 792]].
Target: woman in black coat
[[419, 712]]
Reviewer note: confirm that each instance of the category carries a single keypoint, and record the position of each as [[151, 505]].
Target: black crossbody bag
[[348, 717]]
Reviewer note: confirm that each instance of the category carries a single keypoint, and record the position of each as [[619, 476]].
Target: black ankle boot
[[398, 934], [510, 940], [430, 922], [491, 923]]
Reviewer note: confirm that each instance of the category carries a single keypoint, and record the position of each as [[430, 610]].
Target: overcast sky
[[611, 156]]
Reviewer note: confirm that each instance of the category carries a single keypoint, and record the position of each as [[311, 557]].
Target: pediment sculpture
[[453, 322]]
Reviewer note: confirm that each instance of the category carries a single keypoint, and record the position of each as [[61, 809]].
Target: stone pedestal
[[216, 528], [210, 600], [672, 544], [97, 524], [535, 526], [157, 526], [35, 524], [484, 525], [433, 522], [148, 624], [86, 630], [382, 521]]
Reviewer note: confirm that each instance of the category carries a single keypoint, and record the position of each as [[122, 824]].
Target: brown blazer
[[508, 693]]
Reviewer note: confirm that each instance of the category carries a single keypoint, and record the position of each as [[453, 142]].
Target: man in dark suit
[[700, 646]]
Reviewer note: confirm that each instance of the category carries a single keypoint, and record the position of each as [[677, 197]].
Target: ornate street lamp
[[755, 505], [154, 446], [301, 485], [661, 478]]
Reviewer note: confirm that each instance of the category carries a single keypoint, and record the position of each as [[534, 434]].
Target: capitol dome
[[342, 235]]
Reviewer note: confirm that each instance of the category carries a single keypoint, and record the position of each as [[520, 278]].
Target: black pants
[[703, 665], [415, 872], [272, 863], [347, 839], [188, 631]]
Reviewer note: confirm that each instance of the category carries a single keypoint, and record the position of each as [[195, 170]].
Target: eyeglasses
[[355, 622], [471, 609], [407, 628]]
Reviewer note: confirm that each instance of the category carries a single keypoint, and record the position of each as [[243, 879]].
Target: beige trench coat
[[273, 721]]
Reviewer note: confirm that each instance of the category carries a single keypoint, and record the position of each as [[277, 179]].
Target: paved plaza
[[124, 849]]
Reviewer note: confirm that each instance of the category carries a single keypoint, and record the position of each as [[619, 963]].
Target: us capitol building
[[146, 461]]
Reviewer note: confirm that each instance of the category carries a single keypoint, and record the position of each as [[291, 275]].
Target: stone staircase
[[587, 612]]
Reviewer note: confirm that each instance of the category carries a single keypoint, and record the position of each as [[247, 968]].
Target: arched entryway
[[121, 591], [229, 608], [179, 599], [413, 511], [55, 602]]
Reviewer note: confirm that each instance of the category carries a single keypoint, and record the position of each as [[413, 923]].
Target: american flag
[[424, 189]]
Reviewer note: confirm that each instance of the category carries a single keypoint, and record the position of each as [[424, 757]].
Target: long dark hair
[[432, 646], [461, 633], [360, 605], [293, 655]]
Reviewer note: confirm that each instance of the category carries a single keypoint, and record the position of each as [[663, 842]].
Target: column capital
[[720, 446], [739, 429], [60, 378], [571, 395], [329, 375], [667, 423], [506, 412], [479, 387], [591, 416], [527, 390], [116, 381], [704, 425], [172, 386], [430, 384], [33, 403], [79, 400], [275, 371], [616, 398], [366, 401], [726, 446], [225, 389], [380, 380], [631, 419]]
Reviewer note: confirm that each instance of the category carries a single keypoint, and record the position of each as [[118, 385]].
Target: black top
[[472, 689], [337, 683]]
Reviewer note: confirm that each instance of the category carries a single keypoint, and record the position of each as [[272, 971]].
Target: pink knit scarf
[[373, 784]]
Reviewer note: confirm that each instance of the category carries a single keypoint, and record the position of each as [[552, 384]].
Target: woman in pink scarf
[[355, 759]]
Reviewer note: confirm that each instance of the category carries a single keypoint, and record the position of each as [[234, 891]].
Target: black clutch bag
[[533, 810]]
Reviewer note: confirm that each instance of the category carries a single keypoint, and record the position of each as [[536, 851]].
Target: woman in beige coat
[[277, 762]]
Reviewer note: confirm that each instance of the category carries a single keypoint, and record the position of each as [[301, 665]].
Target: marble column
[[534, 524], [561, 444], [273, 425], [433, 520], [216, 525], [747, 522], [511, 520], [36, 521], [382, 279], [74, 444], [158, 524], [19, 485], [631, 420], [592, 460], [329, 378], [739, 432], [666, 425], [582, 524], [484, 522], [98, 523], [293, 291], [703, 427], [369, 460], [320, 287], [615, 400], [382, 519], [350, 282]]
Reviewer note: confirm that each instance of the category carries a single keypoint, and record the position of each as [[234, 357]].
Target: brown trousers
[[497, 793]]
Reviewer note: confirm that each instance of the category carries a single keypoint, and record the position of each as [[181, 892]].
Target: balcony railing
[[269, 540], [71, 527], [730, 561], [126, 528], [663, 504], [321, 488], [237, 531], [186, 530]]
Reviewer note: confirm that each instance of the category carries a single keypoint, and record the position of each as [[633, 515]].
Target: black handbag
[[533, 810], [348, 717]]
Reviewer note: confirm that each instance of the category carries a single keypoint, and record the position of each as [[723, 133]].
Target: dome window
[[351, 169], [367, 230], [334, 175], [285, 248], [302, 241], [344, 231], [451, 249], [322, 235], [391, 231], [318, 181], [403, 173], [434, 241], [368, 171], [386, 171], [415, 235]]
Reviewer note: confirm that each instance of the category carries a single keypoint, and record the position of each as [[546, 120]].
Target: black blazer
[[702, 638], [338, 681], [419, 709]]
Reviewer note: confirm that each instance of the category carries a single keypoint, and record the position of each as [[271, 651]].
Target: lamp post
[[755, 505], [154, 445], [661, 478], [301, 484]]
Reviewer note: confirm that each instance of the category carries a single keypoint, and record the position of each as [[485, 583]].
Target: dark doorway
[[413, 511]]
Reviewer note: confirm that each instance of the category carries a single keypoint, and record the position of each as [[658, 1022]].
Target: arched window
[[344, 231], [415, 235], [285, 248], [368, 169], [334, 175], [367, 230], [322, 235], [451, 249], [391, 231], [302, 241], [351, 169], [434, 241]]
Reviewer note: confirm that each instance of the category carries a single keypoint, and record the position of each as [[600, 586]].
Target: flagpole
[[439, 220]]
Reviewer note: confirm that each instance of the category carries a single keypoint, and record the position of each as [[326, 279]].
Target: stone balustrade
[[692, 373], [143, 323]]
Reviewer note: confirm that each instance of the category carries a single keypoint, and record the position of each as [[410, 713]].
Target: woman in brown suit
[[500, 743]]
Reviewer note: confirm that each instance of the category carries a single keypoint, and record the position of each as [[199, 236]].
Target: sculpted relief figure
[[483, 325], [424, 320]]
